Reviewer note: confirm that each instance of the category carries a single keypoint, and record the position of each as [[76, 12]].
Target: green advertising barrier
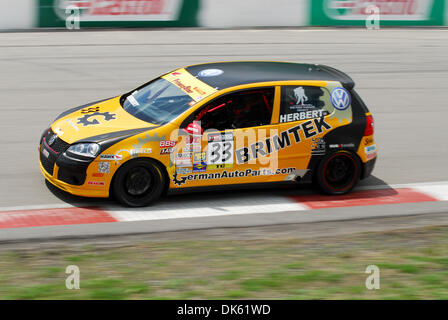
[[118, 13], [392, 12]]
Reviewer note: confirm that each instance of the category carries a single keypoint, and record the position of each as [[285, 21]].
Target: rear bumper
[[368, 168]]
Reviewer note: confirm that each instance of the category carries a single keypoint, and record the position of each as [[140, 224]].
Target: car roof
[[246, 72]]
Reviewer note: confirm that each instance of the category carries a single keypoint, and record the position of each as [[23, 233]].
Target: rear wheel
[[138, 183], [338, 173]]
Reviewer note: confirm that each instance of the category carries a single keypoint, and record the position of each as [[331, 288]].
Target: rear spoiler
[[340, 76]]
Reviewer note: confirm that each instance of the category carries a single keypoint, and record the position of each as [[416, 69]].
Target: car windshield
[[158, 102]]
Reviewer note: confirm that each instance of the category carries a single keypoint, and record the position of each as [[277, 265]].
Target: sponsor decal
[[90, 110], [183, 155], [220, 148], [104, 167], [85, 120], [199, 90], [303, 115], [232, 174], [97, 175], [370, 149], [167, 143], [141, 142], [183, 160], [95, 183], [192, 147], [284, 139], [132, 152], [368, 141], [212, 137], [199, 156], [193, 139], [166, 151], [210, 73], [299, 94], [371, 156], [199, 167], [178, 181], [45, 153], [301, 98], [116, 157], [341, 145], [318, 146], [219, 166], [182, 86], [136, 152], [340, 98], [132, 99], [183, 170]]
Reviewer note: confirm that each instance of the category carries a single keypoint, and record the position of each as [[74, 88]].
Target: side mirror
[[194, 128]]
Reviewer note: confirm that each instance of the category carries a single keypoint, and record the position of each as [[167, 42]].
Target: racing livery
[[214, 124]]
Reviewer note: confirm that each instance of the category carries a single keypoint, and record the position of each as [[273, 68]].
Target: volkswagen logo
[[340, 98], [52, 139]]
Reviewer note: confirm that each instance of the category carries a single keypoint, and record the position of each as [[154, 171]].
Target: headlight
[[85, 149]]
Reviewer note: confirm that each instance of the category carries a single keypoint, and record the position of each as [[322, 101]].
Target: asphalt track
[[401, 74]]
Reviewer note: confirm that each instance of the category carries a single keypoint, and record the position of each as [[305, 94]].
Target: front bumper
[[82, 191], [52, 171]]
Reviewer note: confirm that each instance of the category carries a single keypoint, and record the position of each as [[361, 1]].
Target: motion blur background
[[26, 14], [400, 70]]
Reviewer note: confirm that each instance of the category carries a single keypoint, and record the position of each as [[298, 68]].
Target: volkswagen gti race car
[[227, 123]]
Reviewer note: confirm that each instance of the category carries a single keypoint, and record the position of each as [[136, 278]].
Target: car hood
[[99, 118]]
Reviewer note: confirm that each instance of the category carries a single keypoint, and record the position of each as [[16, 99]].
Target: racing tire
[[138, 183], [338, 173]]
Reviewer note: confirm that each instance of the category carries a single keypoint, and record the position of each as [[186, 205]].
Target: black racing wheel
[[138, 183], [338, 173]]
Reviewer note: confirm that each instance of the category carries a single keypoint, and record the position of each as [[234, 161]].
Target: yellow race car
[[214, 124]]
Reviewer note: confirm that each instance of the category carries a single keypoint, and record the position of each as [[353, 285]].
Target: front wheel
[[338, 173], [138, 183]]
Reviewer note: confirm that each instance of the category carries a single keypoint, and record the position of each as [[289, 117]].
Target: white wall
[[18, 14], [247, 13]]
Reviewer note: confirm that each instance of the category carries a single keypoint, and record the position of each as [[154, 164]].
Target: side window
[[243, 109], [215, 115], [302, 102]]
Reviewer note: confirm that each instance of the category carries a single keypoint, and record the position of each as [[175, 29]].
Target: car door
[[303, 122], [233, 129]]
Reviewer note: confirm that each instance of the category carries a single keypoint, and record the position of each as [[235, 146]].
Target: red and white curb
[[65, 214]]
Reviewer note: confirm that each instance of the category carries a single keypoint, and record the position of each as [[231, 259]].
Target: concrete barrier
[[18, 14]]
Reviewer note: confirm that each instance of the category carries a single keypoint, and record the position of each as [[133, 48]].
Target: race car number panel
[[220, 149]]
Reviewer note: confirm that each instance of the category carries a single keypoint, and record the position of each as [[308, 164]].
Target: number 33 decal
[[220, 152]]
